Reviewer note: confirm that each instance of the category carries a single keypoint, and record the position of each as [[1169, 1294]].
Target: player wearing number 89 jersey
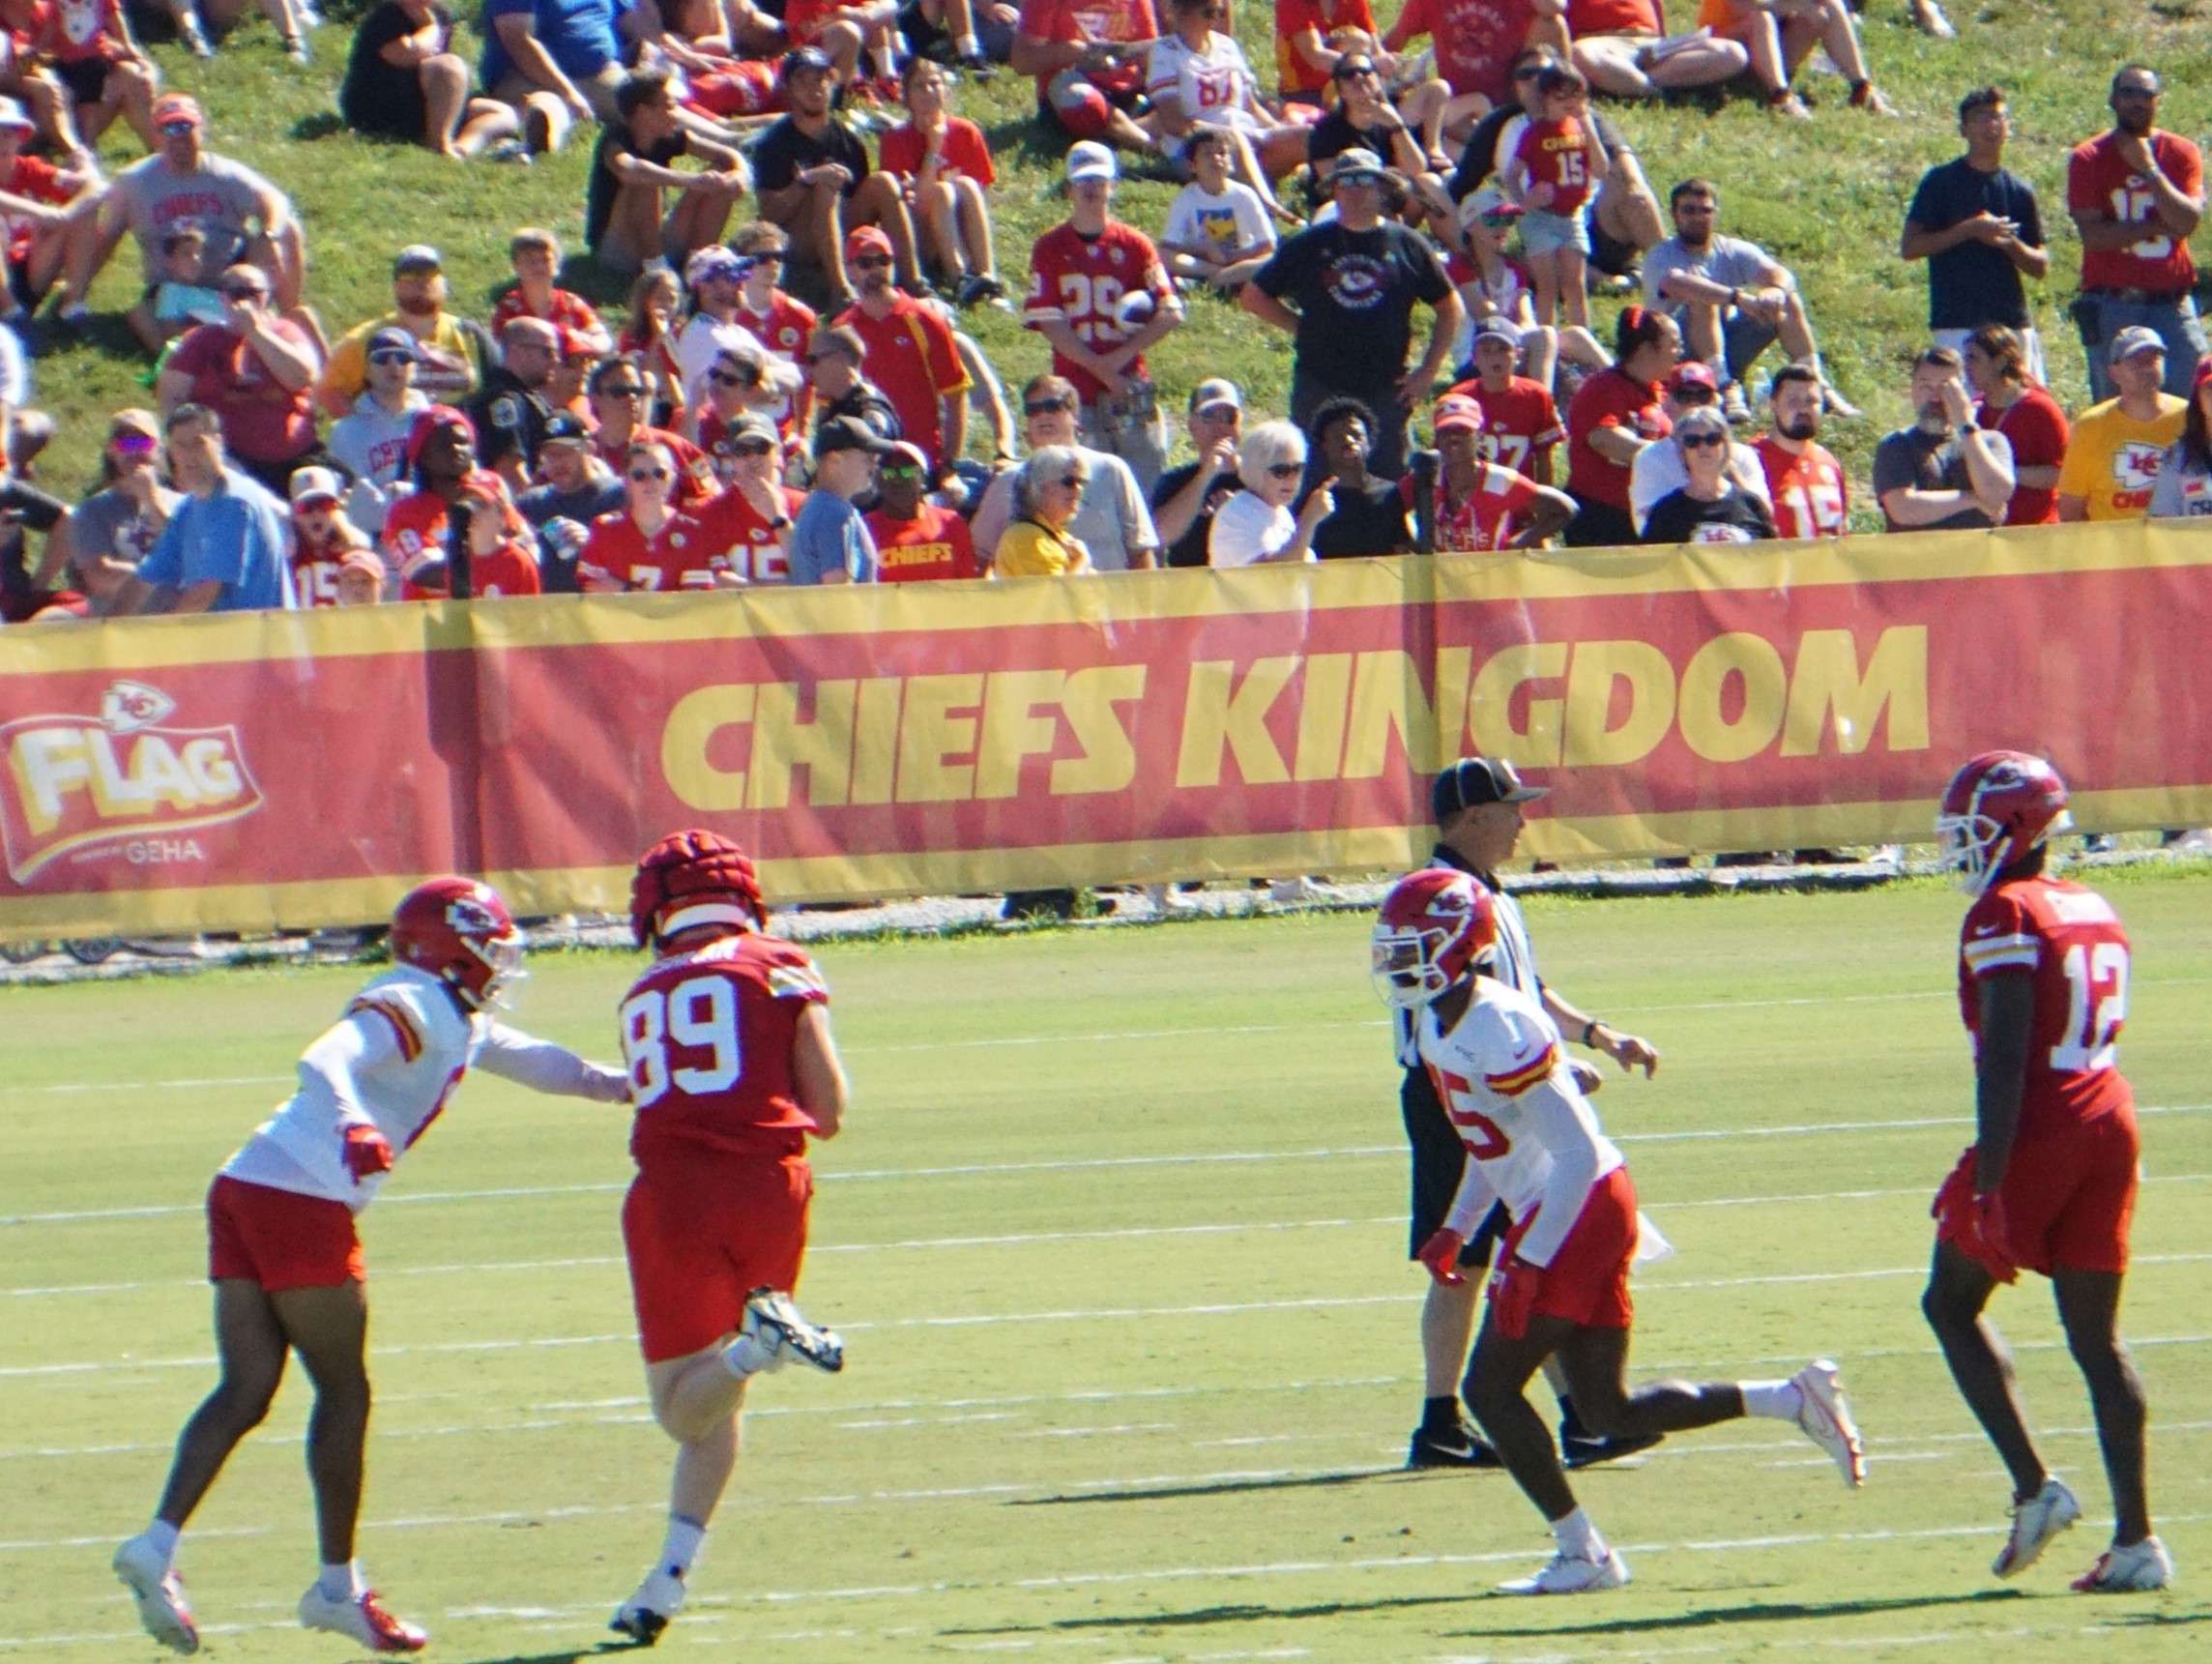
[[2050, 1182], [731, 1069]]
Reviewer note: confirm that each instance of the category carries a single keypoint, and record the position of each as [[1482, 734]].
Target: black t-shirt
[[1334, 135], [1736, 517], [1973, 284], [783, 153], [377, 97], [599, 191], [1369, 521], [21, 506], [508, 417], [1189, 549], [1355, 292]]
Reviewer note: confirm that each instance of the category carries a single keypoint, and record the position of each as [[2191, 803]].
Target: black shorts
[[86, 79], [1438, 1156], [1609, 254], [1599, 526]]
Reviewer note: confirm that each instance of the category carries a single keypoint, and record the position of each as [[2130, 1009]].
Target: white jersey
[[1513, 962], [392, 1061], [1532, 1140], [1215, 85]]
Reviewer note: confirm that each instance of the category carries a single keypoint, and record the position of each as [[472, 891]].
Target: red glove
[[367, 1153], [1440, 1254], [1513, 1289]]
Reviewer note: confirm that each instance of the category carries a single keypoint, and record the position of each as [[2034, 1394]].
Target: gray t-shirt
[[1911, 460], [1728, 261], [109, 525], [220, 196]]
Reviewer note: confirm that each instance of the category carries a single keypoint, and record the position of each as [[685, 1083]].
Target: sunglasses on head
[[1700, 441], [1286, 470], [1044, 406], [642, 475], [390, 355], [628, 389]]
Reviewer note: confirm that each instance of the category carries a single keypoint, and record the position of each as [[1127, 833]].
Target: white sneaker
[[1572, 1574], [2034, 1523], [645, 1613], [1825, 1419], [775, 1331], [2128, 1570], [160, 1594], [362, 1618]]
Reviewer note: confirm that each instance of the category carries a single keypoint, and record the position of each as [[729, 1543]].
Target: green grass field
[[1116, 1238]]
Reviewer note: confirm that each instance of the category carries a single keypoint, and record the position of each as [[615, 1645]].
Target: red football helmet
[[461, 933], [1997, 807], [693, 878], [1435, 927]]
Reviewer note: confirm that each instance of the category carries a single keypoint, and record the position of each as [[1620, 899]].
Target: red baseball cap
[[868, 237], [178, 106], [428, 422], [1693, 372], [1457, 411]]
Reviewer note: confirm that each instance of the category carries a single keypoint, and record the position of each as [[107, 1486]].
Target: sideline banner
[[302, 768]]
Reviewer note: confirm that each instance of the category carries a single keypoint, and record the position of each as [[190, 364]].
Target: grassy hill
[[1825, 197]]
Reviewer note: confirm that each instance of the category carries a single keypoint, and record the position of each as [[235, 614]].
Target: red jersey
[[1080, 281], [1809, 492], [1609, 400], [694, 473], [934, 544], [2036, 429], [1483, 519], [912, 357], [41, 182], [708, 1037], [783, 328], [748, 543], [1516, 423], [1475, 41], [1613, 17], [679, 556], [962, 148], [508, 569], [1078, 22], [315, 565], [83, 31], [2069, 941], [567, 311], [1552, 152], [1293, 73], [413, 529], [2098, 181]]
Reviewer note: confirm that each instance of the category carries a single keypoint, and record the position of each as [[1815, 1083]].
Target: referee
[[1476, 804]]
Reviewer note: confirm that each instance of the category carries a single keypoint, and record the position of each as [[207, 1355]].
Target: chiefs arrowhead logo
[[129, 705]]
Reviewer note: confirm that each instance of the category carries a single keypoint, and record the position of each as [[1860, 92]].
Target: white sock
[[1775, 1400], [1577, 1538], [342, 1582], [680, 1547], [163, 1536], [968, 46]]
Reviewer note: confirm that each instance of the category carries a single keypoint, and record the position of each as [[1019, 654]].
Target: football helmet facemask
[[1436, 926], [1997, 808], [460, 931]]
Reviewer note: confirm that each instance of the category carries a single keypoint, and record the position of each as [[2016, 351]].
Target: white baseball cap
[[11, 115], [1091, 160]]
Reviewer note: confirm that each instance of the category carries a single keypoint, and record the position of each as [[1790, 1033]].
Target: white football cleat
[[2034, 1523], [362, 1618], [1825, 1419], [1572, 1574], [645, 1613], [160, 1594], [775, 1331], [2128, 1570]]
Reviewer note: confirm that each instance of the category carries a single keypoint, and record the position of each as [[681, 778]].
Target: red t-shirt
[[934, 544], [964, 148], [1552, 150], [1293, 73], [695, 480], [1079, 281], [1613, 17], [82, 31], [1609, 400], [2036, 429], [2098, 180], [1484, 518], [1078, 22], [1475, 41], [679, 556], [1810, 495], [508, 569], [263, 421], [2069, 941], [748, 543], [912, 357], [315, 568], [783, 329], [708, 1037], [41, 182], [567, 311], [1516, 423]]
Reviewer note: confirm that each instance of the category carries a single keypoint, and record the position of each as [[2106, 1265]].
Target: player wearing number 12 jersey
[[1533, 1143], [731, 1069], [2049, 1185], [285, 1260]]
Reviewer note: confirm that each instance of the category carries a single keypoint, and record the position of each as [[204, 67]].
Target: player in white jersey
[[1533, 1143], [284, 1256]]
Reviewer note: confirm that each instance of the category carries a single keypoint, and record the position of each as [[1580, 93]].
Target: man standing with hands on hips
[[1477, 806]]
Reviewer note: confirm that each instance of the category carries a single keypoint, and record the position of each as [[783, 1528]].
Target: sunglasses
[[628, 389], [1044, 406], [178, 128], [871, 262], [391, 356], [245, 292], [131, 444], [1348, 71], [642, 475], [1286, 470], [1528, 71], [899, 471], [723, 378], [1074, 481], [1700, 441], [766, 259], [753, 448]]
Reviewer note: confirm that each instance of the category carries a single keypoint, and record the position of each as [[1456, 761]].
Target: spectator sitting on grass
[[46, 210], [625, 226], [536, 256], [947, 172], [1623, 48], [1039, 542], [554, 63], [255, 372], [113, 531], [1219, 231], [510, 414], [1779, 35], [452, 352], [404, 81], [577, 490], [617, 393], [99, 60], [1198, 76], [1711, 506], [834, 360], [815, 181], [180, 296]]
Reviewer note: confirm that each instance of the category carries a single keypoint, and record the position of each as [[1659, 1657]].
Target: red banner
[[303, 769]]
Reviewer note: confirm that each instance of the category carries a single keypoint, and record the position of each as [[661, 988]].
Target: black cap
[[849, 433], [563, 425], [804, 58], [1472, 781]]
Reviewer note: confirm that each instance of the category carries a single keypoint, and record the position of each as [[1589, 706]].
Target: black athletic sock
[[1569, 1424], [1439, 1415]]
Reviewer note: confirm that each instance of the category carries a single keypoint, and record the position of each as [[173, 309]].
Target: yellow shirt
[[450, 368], [1029, 549], [2112, 460]]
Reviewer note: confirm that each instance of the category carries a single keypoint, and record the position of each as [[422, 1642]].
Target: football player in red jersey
[[1804, 480], [284, 1256], [731, 1068], [2049, 1185]]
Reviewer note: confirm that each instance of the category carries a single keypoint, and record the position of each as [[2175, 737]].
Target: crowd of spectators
[[1424, 232]]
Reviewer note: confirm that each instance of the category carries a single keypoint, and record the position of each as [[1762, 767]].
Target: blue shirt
[[578, 35], [235, 537], [829, 534]]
